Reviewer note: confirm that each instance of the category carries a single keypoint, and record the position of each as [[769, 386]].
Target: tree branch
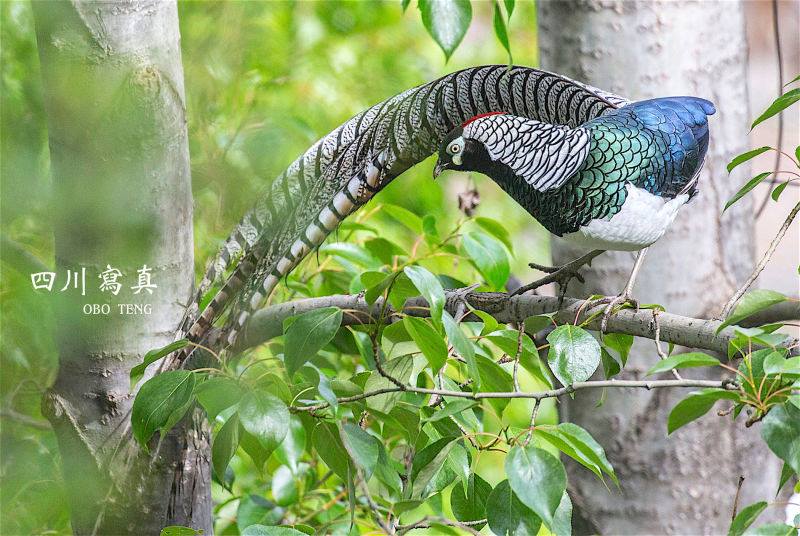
[[680, 330]]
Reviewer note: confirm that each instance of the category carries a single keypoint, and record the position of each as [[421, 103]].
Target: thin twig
[[518, 355], [427, 521], [736, 498], [534, 412], [536, 395], [726, 311], [657, 340]]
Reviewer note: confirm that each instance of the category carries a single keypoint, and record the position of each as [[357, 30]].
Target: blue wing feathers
[[676, 129]]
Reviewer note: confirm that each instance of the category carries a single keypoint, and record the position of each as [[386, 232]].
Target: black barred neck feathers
[[541, 154]]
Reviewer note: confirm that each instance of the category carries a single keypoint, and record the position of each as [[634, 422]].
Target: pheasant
[[348, 166], [615, 182]]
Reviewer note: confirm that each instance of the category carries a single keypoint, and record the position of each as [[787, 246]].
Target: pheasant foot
[[559, 274], [611, 302]]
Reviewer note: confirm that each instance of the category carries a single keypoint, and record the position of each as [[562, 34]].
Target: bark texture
[[685, 483], [114, 94]]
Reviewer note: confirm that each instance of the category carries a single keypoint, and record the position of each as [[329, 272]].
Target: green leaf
[[446, 21], [353, 253], [751, 303], [493, 377], [744, 157], [611, 367], [695, 406], [776, 193], [308, 334], [404, 4], [489, 257], [562, 521], [489, 322], [161, 403], [573, 354], [496, 229], [402, 289], [386, 473], [383, 249], [752, 183], [773, 529], [400, 369], [688, 360], [780, 430], [284, 486], [316, 377], [177, 530], [429, 287], [429, 462], [375, 284], [329, 446], [500, 30], [265, 417], [462, 345], [293, 445], [226, 441], [745, 518], [780, 104], [429, 341], [470, 504], [777, 363], [152, 356], [538, 479], [507, 515], [452, 408], [579, 445], [256, 510], [620, 343], [264, 530], [218, 393], [786, 474], [404, 216], [363, 448], [509, 7]]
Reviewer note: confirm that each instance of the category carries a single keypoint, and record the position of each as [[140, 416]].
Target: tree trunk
[[115, 104], [685, 483]]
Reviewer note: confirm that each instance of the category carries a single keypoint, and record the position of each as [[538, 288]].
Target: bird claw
[[557, 274], [610, 303], [460, 298]]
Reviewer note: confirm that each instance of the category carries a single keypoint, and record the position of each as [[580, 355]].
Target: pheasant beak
[[440, 166]]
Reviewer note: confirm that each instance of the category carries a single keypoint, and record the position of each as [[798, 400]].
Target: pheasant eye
[[455, 148]]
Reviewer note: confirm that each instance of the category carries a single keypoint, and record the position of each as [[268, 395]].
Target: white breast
[[643, 219]]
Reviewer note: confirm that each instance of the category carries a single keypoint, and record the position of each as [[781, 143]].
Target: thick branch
[[676, 329]]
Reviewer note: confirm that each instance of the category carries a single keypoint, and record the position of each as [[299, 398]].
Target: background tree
[[114, 97], [693, 270]]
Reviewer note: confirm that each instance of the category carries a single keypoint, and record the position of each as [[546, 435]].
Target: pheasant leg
[[559, 274], [626, 297]]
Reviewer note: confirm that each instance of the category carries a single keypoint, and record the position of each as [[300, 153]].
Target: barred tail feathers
[[357, 191]]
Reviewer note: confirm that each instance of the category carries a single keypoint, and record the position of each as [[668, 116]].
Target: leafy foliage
[[296, 440]]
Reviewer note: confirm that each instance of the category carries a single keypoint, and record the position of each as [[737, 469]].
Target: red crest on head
[[475, 118]]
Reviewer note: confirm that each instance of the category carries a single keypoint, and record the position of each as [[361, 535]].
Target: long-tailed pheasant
[[615, 182]]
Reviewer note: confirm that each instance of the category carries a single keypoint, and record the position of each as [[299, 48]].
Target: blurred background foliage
[[264, 80]]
